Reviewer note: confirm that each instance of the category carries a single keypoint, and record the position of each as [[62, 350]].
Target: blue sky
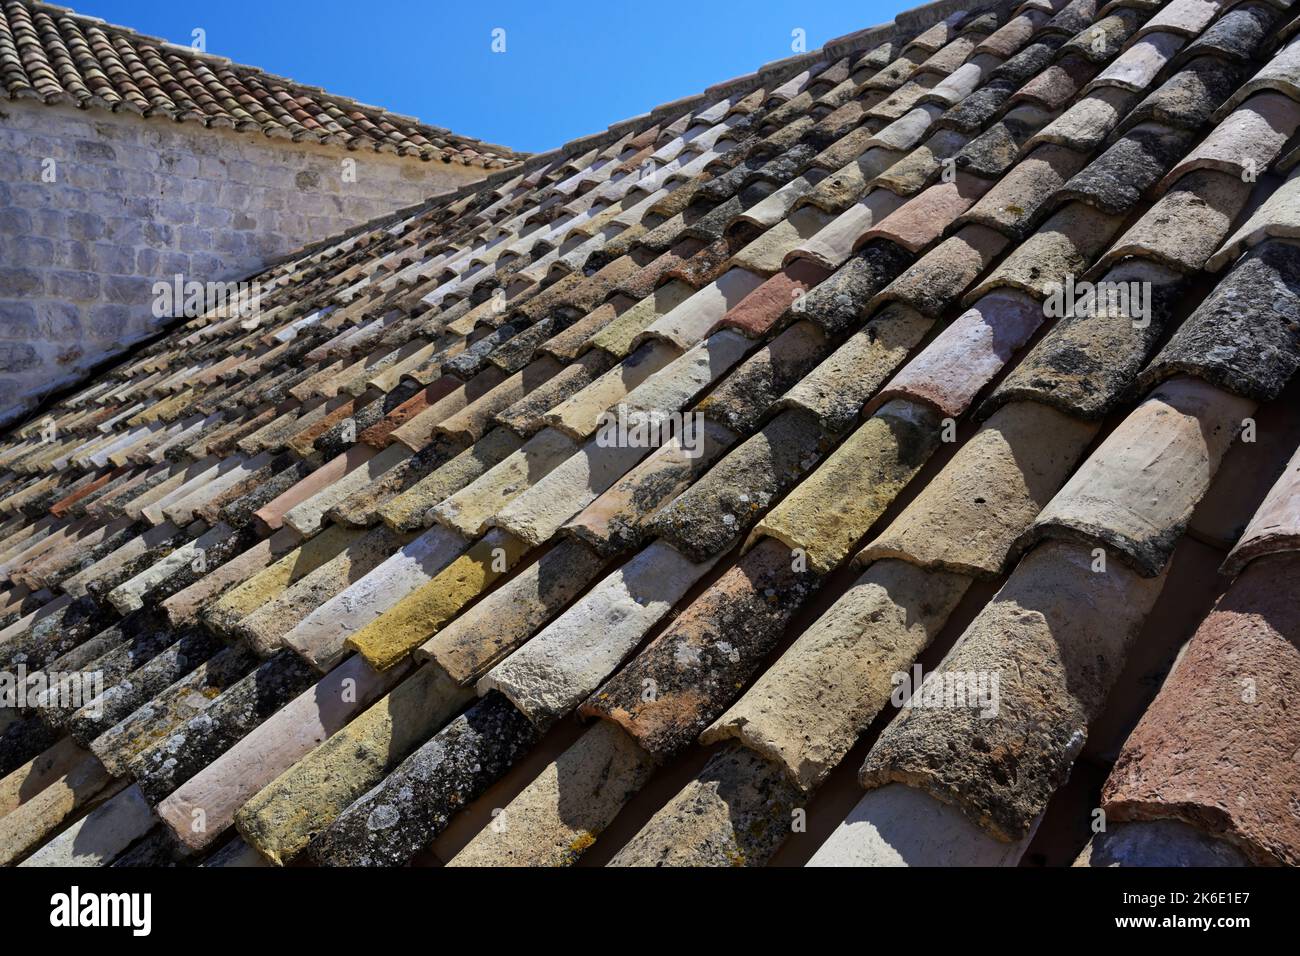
[[568, 69]]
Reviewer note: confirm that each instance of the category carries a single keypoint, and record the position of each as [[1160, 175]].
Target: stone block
[[109, 321], [90, 151], [14, 221], [112, 259], [131, 291], [86, 226], [213, 217], [33, 251], [74, 286], [17, 320], [17, 357], [178, 164], [20, 283], [57, 320], [71, 254]]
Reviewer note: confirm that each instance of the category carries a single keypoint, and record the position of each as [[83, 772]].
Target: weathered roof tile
[[1013, 205], [967, 517], [940, 276], [1087, 363], [709, 651], [1251, 353], [1206, 752], [806, 711], [1277, 218], [1246, 141], [835, 506], [966, 355], [1174, 441], [1116, 180], [550, 675], [1057, 633], [1186, 225], [1275, 527]]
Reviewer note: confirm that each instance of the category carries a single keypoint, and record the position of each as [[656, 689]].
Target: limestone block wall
[[96, 206]]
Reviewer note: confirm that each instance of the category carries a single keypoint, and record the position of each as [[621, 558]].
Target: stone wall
[[97, 206]]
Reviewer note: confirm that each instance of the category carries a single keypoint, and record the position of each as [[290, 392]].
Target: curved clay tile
[[1175, 440], [1216, 749], [1251, 352], [1184, 227], [1275, 527], [1246, 141], [1057, 634]]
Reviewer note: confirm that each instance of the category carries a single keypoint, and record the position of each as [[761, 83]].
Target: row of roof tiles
[[55, 55]]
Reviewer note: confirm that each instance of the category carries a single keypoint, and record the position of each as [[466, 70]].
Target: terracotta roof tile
[[1079, 654], [1254, 358], [69, 58], [1202, 716], [1185, 426]]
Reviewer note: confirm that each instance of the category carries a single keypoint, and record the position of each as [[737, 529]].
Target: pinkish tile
[[966, 355]]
